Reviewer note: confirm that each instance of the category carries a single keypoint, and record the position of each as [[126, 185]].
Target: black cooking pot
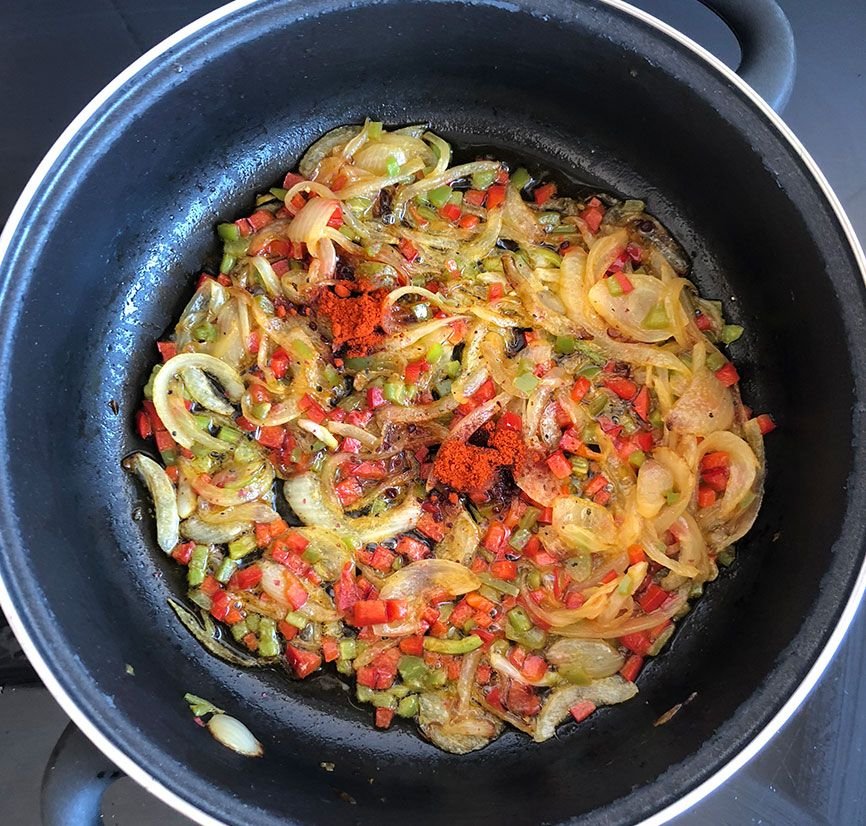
[[98, 259]]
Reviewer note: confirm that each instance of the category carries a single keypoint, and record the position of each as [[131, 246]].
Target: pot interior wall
[[126, 220]]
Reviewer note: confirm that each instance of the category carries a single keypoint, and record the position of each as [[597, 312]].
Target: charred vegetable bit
[[468, 441]]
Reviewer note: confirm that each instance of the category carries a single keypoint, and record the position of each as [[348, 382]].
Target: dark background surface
[[54, 56]]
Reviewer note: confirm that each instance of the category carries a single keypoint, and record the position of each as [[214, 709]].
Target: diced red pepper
[[346, 590], [468, 221], [271, 436], [370, 470], [183, 552], [397, 609], [336, 219], [407, 249], [703, 322], [350, 445], [495, 291], [504, 569], [375, 397], [382, 559], [706, 496], [484, 393], [167, 349], [595, 485], [716, 478], [544, 193], [210, 586], [632, 667], [259, 394], [765, 423], [429, 526], [312, 409], [636, 554], [642, 403], [715, 459], [414, 646], [474, 197], [534, 667], [142, 425], [496, 537], [495, 196], [581, 388], [522, 700], [348, 491], [593, 217], [624, 282], [637, 643], [413, 549], [164, 442], [280, 363], [727, 374], [292, 179], [288, 630], [559, 466], [384, 717], [451, 212], [260, 219], [652, 598], [546, 516], [582, 709], [414, 369], [510, 421], [330, 649], [302, 662], [624, 388], [295, 542], [369, 612], [246, 578]]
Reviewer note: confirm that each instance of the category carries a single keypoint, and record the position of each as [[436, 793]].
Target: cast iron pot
[[98, 258]]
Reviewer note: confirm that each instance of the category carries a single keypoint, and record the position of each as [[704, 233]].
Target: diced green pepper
[[564, 345], [348, 649], [226, 263], [672, 497], [598, 403], [269, 646], [519, 539], [636, 458], [228, 232], [374, 130], [197, 567], [230, 435], [408, 706], [529, 518], [520, 179], [613, 287], [518, 619], [435, 353], [452, 369], [499, 584], [241, 546], [392, 165], [439, 196], [715, 361], [730, 333], [482, 179], [300, 621], [206, 331], [226, 569], [526, 382], [458, 646], [302, 350]]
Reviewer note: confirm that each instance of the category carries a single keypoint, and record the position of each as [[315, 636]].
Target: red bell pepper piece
[[581, 388], [624, 388], [544, 193], [504, 569], [280, 363], [495, 196], [451, 212], [559, 466], [632, 667], [642, 403], [407, 249], [302, 662], [495, 291], [271, 436], [369, 612], [167, 349], [766, 423], [582, 709], [727, 374], [652, 598], [246, 578]]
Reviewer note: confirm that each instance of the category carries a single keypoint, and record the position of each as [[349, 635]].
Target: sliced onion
[[742, 469], [538, 483], [202, 391], [200, 531], [654, 482], [227, 377], [268, 276], [321, 433], [595, 630], [530, 292], [706, 406], [461, 541], [654, 550], [604, 692], [604, 251], [507, 668], [519, 222], [163, 495], [627, 312], [597, 658], [250, 512], [306, 498], [418, 413], [234, 735], [186, 497], [583, 524], [258, 483], [324, 146], [205, 634], [350, 431], [416, 583]]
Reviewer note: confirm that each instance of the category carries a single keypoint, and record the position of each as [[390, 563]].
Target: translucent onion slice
[[200, 390], [308, 226], [583, 524], [256, 485], [706, 406], [627, 312], [597, 658], [416, 583], [324, 146], [654, 482], [306, 498], [508, 669], [742, 470], [172, 418], [605, 692], [196, 529], [163, 495], [250, 512], [234, 735]]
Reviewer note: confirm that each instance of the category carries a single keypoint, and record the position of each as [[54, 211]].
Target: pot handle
[[75, 779], [766, 40]]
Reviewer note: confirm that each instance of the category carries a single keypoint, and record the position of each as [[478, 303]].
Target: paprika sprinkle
[[355, 320]]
